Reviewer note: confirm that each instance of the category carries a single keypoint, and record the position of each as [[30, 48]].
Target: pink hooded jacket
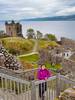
[[43, 74]]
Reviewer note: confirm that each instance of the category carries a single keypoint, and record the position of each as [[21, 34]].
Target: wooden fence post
[[58, 85], [33, 91]]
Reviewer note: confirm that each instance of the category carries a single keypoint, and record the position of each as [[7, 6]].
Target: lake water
[[59, 28]]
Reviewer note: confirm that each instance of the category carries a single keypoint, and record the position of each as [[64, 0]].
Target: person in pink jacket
[[43, 74]]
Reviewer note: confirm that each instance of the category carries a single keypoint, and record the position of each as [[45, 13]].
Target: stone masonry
[[69, 68], [7, 60], [68, 43]]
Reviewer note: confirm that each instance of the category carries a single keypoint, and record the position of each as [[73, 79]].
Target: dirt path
[[28, 54], [35, 46], [34, 51]]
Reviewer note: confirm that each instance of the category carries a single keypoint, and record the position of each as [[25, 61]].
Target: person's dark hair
[[42, 65]]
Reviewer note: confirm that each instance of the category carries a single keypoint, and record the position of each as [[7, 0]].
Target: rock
[[68, 43], [68, 94], [2, 59], [7, 60]]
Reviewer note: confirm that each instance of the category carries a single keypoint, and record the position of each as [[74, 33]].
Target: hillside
[[55, 18], [45, 43], [30, 60], [24, 49], [20, 46], [17, 46]]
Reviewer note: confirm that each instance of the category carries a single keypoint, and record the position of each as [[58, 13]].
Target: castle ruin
[[13, 29]]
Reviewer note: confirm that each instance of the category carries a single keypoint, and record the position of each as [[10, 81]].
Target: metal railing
[[12, 88], [30, 74], [52, 87], [16, 88], [45, 89]]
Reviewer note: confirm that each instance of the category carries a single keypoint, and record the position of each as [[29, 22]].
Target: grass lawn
[[53, 67], [30, 58]]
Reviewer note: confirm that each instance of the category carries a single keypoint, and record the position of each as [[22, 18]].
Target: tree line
[[31, 34]]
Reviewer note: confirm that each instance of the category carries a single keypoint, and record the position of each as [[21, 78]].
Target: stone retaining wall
[[7, 60]]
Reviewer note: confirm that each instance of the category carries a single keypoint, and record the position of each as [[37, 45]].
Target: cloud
[[20, 9], [67, 11]]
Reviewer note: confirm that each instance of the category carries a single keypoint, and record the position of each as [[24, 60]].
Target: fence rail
[[13, 88], [45, 89], [65, 83], [16, 88]]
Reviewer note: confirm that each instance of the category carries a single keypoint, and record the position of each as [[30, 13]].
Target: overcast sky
[[22, 9]]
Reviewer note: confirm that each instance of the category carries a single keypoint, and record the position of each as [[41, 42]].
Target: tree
[[39, 35], [4, 35], [51, 37], [30, 33]]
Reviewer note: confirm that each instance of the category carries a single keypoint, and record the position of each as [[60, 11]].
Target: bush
[[14, 51], [3, 35], [51, 37]]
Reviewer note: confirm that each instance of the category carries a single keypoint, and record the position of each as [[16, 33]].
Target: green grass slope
[[29, 61], [20, 46], [45, 43], [17, 45], [30, 58]]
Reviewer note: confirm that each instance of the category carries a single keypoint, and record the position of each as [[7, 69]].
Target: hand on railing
[[46, 78]]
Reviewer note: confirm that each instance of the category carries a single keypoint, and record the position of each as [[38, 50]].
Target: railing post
[[33, 91], [58, 85]]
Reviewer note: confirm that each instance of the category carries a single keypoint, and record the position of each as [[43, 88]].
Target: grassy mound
[[30, 58], [17, 45], [29, 61], [46, 43]]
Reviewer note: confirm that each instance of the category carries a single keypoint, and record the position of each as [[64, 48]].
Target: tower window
[[67, 54], [11, 33], [64, 54], [9, 28]]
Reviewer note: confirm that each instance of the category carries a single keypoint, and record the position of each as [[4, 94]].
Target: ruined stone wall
[[69, 67], [50, 57], [2, 60], [13, 29], [7, 60], [68, 94], [68, 43]]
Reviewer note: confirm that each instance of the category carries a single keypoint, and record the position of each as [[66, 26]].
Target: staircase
[[14, 87]]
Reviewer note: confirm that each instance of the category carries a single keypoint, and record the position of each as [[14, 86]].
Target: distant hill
[[56, 18]]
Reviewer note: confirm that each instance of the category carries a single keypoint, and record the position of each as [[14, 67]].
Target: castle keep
[[13, 29]]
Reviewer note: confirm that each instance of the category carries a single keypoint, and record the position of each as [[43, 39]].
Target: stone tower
[[13, 29]]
